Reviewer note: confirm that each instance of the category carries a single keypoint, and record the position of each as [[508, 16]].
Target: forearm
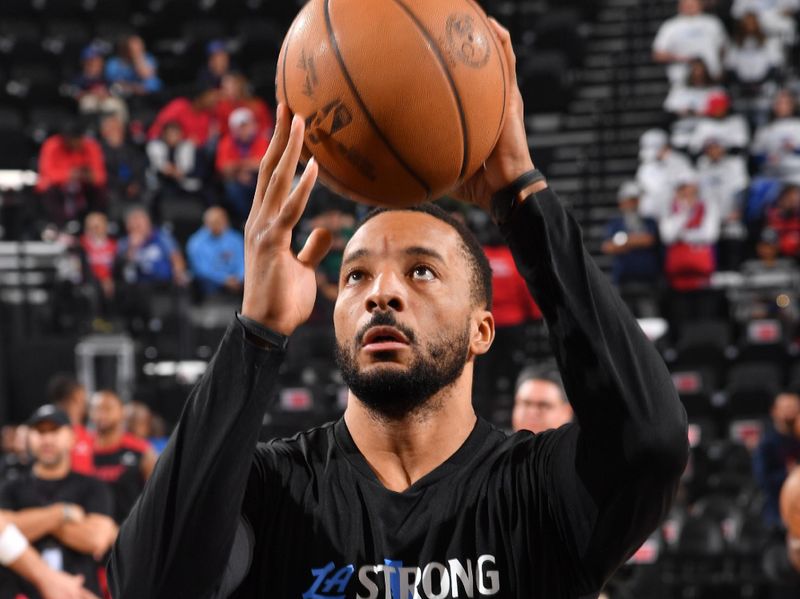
[[36, 523], [619, 387], [93, 536], [191, 504]]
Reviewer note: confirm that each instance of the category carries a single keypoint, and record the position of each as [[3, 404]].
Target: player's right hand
[[279, 287]]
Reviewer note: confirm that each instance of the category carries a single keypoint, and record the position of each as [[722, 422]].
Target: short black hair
[[544, 372], [481, 270], [61, 387]]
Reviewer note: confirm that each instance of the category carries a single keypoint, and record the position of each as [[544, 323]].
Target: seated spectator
[[752, 59], [92, 90], [776, 16], [65, 515], [632, 239], [69, 396], [691, 98], [778, 451], [196, 117], [724, 181], [72, 175], [172, 162], [769, 269], [238, 157], [776, 144], [22, 559], [132, 72], [784, 218], [218, 64], [121, 459], [142, 422], [100, 251], [15, 460], [689, 231], [235, 93], [659, 167], [125, 165], [148, 255], [216, 254], [717, 121], [540, 402], [690, 34]]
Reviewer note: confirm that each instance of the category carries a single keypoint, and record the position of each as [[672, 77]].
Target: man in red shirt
[[238, 157], [72, 175], [100, 250], [195, 116], [70, 396]]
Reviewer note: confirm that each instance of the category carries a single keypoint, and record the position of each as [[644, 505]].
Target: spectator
[[125, 164], [92, 90], [632, 239], [218, 64], [775, 15], [69, 395], [753, 59], [23, 560], [690, 34], [64, 514], [133, 72], [238, 157], [689, 231], [659, 167], [724, 181], [196, 117], [16, 460], [100, 251], [731, 129], [148, 255], [234, 93], [72, 175], [691, 98], [172, 162], [777, 453], [776, 144], [142, 422], [216, 254], [121, 459], [540, 402], [784, 219]]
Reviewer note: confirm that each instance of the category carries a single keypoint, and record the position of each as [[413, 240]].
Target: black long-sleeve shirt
[[529, 516]]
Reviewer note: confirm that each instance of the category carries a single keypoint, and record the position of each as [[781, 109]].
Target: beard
[[391, 394]]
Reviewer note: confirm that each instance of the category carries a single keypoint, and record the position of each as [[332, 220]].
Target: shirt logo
[[393, 580]]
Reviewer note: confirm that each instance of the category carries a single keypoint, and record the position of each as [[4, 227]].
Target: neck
[[109, 438], [401, 452], [56, 472]]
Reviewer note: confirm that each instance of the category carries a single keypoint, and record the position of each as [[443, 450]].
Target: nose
[[386, 293]]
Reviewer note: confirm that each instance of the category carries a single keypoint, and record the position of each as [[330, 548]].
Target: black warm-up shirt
[[545, 516]]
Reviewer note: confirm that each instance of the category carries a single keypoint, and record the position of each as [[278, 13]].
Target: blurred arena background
[[673, 136]]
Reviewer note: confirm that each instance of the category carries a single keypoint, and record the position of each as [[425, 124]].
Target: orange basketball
[[790, 502], [403, 99]]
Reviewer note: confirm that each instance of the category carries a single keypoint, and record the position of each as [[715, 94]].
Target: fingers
[[316, 247], [276, 147], [280, 181], [505, 40], [295, 204]]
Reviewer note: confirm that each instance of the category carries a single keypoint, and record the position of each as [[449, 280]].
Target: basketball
[[790, 502], [402, 99]]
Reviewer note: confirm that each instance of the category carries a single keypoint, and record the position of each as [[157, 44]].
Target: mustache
[[384, 319]]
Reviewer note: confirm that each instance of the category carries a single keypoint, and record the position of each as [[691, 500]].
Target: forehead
[[397, 230], [539, 389]]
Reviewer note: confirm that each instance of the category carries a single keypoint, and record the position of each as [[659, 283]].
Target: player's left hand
[[511, 156]]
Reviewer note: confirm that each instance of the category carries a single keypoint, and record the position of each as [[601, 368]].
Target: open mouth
[[384, 338]]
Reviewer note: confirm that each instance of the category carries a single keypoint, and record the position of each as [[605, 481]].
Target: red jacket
[[196, 123], [512, 304], [57, 161], [229, 152], [100, 255], [264, 118]]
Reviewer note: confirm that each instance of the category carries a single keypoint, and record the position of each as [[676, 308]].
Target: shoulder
[[303, 452], [134, 443]]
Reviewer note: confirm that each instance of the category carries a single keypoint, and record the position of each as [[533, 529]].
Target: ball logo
[[466, 42]]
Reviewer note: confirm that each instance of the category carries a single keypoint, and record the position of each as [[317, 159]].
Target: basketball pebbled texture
[[403, 99]]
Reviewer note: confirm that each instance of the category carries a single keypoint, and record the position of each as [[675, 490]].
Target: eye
[[422, 273], [354, 276]]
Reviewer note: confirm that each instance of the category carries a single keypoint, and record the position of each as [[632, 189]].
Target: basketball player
[[410, 494]]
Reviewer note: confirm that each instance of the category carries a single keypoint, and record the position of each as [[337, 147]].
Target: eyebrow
[[414, 250]]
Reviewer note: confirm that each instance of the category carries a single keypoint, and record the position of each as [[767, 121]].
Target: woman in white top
[[691, 99], [753, 59]]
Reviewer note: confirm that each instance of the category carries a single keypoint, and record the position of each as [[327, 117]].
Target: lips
[[384, 335]]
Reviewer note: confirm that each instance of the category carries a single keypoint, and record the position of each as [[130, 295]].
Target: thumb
[[316, 247]]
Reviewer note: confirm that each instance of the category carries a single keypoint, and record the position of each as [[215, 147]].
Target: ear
[[482, 332]]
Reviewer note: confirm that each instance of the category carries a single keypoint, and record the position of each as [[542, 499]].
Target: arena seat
[[751, 387]]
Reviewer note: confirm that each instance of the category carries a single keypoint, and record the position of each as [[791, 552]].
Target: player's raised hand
[[511, 156], [279, 287]]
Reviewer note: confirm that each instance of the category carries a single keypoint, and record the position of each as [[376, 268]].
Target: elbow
[[663, 446]]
